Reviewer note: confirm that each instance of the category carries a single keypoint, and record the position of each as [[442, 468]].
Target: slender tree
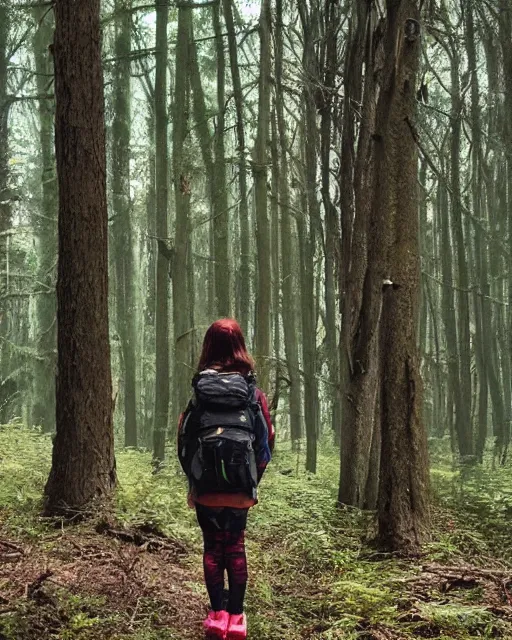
[[182, 294], [83, 465], [326, 106], [221, 218], [288, 283], [360, 321], [309, 228], [161, 414], [260, 171], [505, 33], [7, 384], [45, 225], [122, 211], [244, 284]]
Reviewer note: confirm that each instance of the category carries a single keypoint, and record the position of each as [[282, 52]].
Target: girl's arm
[[265, 435]]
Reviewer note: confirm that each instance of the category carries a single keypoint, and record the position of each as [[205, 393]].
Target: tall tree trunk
[[481, 319], [288, 284], [463, 414], [359, 321], [182, 245], [448, 303], [492, 313], [308, 233], [244, 282], [221, 217], [260, 171], [332, 237], [275, 264], [161, 413], [505, 31], [403, 493], [45, 226], [122, 209], [149, 354], [83, 465], [7, 384]]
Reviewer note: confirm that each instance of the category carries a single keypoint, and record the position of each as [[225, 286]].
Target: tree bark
[[244, 282], [148, 353], [331, 18], [482, 319], [505, 31], [288, 235], [360, 319], [161, 413], [275, 264], [182, 246], [122, 211], [7, 384], [260, 172], [463, 413], [403, 493], [221, 217], [83, 464], [309, 224], [45, 226]]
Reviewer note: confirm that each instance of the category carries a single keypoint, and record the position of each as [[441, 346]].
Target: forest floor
[[313, 571]]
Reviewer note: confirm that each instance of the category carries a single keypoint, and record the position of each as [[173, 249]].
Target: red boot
[[237, 629], [216, 624]]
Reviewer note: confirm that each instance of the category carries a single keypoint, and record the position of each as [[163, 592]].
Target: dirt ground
[[139, 580]]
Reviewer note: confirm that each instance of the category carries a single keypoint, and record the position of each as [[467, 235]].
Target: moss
[[311, 572]]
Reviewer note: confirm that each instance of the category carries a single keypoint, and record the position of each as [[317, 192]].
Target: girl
[[222, 515]]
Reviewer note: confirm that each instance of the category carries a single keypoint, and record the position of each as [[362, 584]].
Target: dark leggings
[[224, 550]]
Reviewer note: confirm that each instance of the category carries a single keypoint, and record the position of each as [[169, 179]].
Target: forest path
[[100, 583]]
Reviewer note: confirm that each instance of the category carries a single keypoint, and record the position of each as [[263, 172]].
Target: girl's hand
[[190, 501]]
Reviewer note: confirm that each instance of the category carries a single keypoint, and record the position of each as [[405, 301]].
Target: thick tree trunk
[[45, 226], [161, 413], [122, 210], [83, 465], [260, 172], [403, 494]]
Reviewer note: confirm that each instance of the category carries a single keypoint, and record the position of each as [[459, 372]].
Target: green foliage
[[25, 458], [158, 500], [462, 621], [311, 572], [58, 614], [478, 495]]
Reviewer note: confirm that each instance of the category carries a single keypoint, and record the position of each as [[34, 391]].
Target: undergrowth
[[312, 573]]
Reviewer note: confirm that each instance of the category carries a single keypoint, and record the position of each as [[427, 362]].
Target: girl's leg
[[236, 565], [213, 557], [213, 563]]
